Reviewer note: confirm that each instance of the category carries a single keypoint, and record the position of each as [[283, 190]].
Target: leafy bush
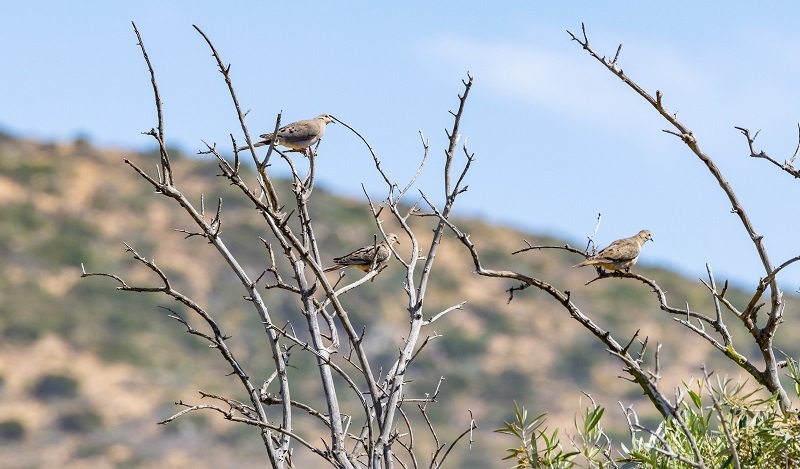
[[79, 421], [11, 431], [542, 448], [21, 333], [722, 427], [50, 387]]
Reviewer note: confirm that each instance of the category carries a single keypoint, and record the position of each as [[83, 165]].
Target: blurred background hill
[[86, 371]]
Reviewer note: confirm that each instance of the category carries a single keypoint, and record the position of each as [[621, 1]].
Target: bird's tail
[[585, 263], [257, 144], [331, 269]]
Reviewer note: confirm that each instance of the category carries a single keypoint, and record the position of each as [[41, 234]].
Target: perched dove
[[621, 254], [363, 258], [298, 135]]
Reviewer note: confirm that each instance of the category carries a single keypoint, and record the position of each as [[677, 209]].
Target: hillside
[[86, 371]]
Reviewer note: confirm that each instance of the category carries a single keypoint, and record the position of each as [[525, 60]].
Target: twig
[[722, 419], [785, 166], [437, 316], [225, 70], [166, 176]]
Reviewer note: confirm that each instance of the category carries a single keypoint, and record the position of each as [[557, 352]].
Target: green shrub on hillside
[[55, 386], [714, 426]]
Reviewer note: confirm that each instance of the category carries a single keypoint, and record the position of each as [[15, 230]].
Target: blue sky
[[557, 138]]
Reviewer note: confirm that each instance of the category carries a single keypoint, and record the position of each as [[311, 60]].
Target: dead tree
[[381, 432], [761, 319]]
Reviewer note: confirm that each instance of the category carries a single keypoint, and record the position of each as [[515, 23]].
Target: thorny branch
[[787, 165], [217, 340], [633, 367], [415, 289], [265, 181], [166, 170], [276, 443], [231, 415], [763, 336], [317, 297], [295, 240]]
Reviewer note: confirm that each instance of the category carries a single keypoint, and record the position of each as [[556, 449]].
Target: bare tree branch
[[785, 166], [225, 70], [763, 336]]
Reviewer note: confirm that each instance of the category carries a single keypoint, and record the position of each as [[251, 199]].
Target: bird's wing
[[621, 250], [361, 256], [302, 131], [383, 253]]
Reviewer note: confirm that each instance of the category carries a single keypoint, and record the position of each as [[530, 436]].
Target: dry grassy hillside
[[87, 371]]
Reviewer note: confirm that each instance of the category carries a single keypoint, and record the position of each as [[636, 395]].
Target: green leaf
[[696, 399], [594, 418]]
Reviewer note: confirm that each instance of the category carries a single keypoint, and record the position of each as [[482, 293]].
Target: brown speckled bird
[[298, 135], [622, 254], [363, 258]]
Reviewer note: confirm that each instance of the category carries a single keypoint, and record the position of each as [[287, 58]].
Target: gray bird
[[298, 135], [622, 254], [363, 258]]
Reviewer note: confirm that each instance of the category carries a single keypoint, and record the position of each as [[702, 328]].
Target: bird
[[365, 257], [298, 135], [622, 254]]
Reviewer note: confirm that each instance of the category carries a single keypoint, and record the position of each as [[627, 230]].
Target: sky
[[557, 138]]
